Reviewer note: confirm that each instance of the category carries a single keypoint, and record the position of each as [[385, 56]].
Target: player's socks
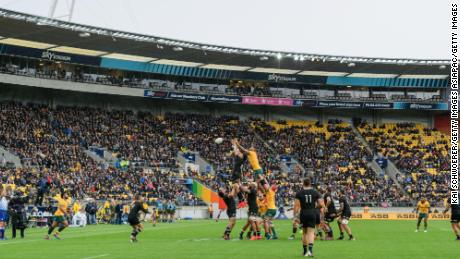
[[310, 248], [304, 249], [60, 229], [294, 231], [341, 236], [241, 235], [320, 234], [50, 230], [227, 232], [2, 233], [351, 237], [275, 236], [267, 236]]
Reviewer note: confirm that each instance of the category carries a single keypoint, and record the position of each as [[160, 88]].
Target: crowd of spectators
[[421, 155], [334, 157], [52, 144]]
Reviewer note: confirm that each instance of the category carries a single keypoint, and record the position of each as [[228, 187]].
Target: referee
[[307, 201]]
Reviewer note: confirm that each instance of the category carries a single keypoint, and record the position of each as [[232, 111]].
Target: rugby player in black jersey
[[344, 216], [253, 212], [137, 206], [330, 213], [229, 199], [455, 216], [307, 202]]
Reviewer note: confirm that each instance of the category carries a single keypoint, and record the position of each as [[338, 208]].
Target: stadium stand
[[334, 156], [420, 153]]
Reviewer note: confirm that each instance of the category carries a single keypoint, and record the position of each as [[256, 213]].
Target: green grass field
[[201, 239]]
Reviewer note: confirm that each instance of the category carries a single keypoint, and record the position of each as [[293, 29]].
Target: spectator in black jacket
[[17, 211], [91, 210]]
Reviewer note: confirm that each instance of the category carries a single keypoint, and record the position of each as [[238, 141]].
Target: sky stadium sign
[[279, 78], [55, 57]]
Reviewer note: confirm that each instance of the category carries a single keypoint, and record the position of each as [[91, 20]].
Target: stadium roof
[[40, 32]]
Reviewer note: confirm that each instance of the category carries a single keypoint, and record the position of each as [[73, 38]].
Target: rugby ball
[[218, 140]]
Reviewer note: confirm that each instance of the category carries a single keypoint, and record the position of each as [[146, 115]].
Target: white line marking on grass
[[96, 256], [97, 233], [20, 242]]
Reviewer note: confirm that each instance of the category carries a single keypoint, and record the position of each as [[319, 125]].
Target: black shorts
[[346, 215], [231, 213], [455, 218], [330, 217], [253, 213], [133, 221], [309, 218]]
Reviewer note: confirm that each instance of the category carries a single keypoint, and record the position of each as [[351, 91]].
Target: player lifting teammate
[[229, 199], [307, 201], [330, 213], [137, 206], [270, 196], [454, 217], [423, 208], [253, 212], [344, 216]]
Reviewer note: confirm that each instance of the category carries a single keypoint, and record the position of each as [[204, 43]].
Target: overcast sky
[[371, 28]]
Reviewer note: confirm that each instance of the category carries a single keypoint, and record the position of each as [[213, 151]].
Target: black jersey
[[455, 208], [331, 207], [238, 163], [346, 207], [252, 200], [308, 198], [229, 201], [134, 212]]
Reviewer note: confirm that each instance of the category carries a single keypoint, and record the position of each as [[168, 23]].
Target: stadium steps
[[391, 170], [9, 157], [200, 161], [284, 167], [361, 138], [95, 157]]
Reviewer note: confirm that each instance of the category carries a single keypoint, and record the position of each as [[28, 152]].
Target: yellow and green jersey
[[270, 196], [62, 206], [423, 207]]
